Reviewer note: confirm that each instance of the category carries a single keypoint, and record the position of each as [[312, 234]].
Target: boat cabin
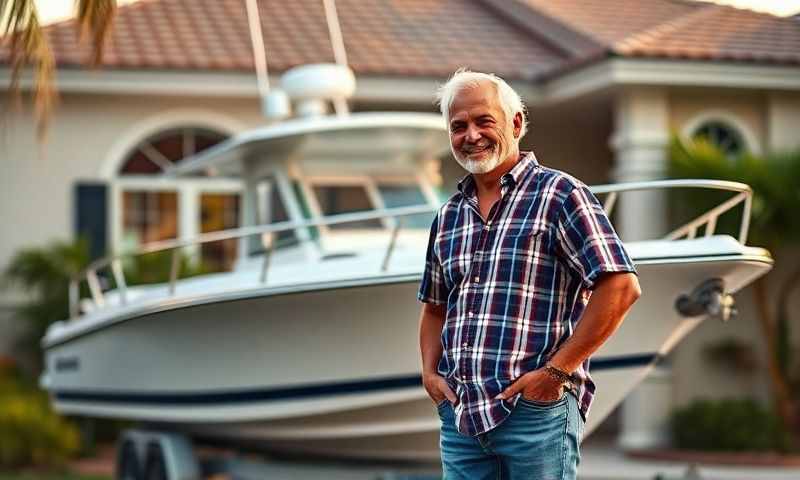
[[313, 169]]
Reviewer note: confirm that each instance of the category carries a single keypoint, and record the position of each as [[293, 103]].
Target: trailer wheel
[[128, 465], [155, 467]]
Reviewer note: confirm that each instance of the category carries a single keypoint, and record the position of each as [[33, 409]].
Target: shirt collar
[[527, 161]]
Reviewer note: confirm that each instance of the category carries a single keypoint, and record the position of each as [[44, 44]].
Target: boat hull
[[342, 377]]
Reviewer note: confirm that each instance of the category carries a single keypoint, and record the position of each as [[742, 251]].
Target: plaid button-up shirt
[[515, 284]]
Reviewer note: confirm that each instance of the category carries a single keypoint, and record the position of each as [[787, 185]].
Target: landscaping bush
[[729, 425], [30, 432]]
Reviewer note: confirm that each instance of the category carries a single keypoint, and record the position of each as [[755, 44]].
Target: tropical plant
[[44, 274], [775, 224], [28, 45], [728, 425]]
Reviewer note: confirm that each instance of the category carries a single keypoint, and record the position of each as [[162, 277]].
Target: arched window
[[154, 210], [157, 153], [725, 136]]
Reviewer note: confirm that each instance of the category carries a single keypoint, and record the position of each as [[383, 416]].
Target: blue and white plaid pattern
[[516, 284]]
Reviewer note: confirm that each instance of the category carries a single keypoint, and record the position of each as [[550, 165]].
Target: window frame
[[740, 127]]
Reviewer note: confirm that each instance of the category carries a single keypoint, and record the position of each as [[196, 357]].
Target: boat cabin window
[[396, 195], [339, 199]]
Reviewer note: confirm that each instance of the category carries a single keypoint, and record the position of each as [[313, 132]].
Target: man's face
[[480, 133]]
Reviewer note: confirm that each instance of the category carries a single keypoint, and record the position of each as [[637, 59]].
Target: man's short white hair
[[510, 101]]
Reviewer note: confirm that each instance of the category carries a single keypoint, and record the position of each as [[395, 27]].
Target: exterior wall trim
[[671, 73], [416, 90], [369, 88]]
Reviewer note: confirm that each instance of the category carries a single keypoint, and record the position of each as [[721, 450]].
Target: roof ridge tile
[[555, 32]]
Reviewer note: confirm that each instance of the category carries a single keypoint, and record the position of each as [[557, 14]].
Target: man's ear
[[517, 124]]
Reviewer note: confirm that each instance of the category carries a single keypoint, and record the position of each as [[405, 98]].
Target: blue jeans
[[537, 441]]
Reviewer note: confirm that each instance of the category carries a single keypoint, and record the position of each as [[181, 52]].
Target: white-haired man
[[524, 279]]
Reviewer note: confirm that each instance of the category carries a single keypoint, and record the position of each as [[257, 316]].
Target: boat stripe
[[243, 396]]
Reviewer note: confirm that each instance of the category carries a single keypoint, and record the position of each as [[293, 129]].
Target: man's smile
[[477, 149]]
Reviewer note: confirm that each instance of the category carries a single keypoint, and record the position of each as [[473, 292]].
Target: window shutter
[[91, 215]]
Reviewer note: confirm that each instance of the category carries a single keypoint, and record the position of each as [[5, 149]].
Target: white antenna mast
[[275, 104], [259, 53], [339, 52]]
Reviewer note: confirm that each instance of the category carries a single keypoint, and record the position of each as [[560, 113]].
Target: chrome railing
[[744, 194], [114, 262]]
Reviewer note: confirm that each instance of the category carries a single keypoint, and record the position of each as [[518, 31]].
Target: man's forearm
[[607, 307], [431, 323]]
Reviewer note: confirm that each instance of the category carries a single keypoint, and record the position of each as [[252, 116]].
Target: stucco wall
[[574, 138]]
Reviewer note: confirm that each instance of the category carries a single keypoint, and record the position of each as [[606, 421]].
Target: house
[[606, 83]]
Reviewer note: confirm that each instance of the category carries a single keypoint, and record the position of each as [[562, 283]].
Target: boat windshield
[[334, 196], [305, 198]]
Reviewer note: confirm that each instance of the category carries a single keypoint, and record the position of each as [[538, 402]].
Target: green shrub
[[30, 432], [155, 268], [731, 425]]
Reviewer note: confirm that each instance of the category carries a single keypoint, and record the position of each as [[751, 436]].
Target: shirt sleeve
[[432, 289], [587, 241]]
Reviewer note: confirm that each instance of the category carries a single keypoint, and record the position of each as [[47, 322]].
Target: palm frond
[[96, 18], [28, 46]]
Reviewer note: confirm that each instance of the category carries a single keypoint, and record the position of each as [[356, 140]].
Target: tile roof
[[720, 33], [514, 38], [614, 20], [679, 29], [389, 37]]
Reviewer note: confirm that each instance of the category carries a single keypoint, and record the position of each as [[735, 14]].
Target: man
[[524, 279]]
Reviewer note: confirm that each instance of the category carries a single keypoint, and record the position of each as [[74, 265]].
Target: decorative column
[[640, 141], [783, 116]]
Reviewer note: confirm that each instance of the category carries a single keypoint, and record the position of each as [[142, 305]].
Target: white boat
[[310, 343]]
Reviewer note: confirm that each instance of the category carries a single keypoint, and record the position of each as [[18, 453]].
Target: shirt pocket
[[521, 251]]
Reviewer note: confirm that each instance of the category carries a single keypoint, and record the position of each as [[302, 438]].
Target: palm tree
[[28, 46], [775, 224], [43, 273]]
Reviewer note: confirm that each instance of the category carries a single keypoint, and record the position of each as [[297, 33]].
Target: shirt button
[[470, 314], [477, 279], [465, 345]]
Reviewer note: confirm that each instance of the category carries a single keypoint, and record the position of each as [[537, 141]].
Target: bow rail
[[612, 191]]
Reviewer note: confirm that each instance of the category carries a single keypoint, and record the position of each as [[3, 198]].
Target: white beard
[[478, 166]]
